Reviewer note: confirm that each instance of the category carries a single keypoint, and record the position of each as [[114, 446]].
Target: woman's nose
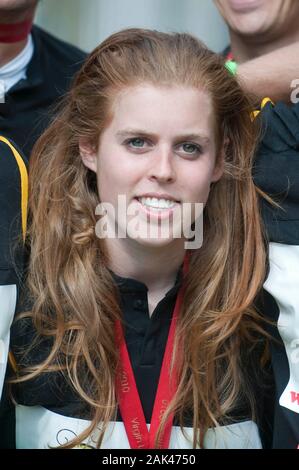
[[162, 166]]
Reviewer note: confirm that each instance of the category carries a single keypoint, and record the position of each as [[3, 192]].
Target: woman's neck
[[9, 51], [16, 18], [244, 49], [156, 267]]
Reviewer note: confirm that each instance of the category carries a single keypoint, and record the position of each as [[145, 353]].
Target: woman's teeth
[[157, 204]]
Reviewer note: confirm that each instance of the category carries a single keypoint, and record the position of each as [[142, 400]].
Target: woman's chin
[[154, 242]]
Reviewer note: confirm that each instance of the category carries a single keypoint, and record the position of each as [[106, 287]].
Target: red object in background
[[15, 32]]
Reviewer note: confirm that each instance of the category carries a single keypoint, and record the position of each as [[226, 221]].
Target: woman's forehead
[[150, 107]]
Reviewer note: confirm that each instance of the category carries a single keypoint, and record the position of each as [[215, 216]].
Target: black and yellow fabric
[[13, 215]]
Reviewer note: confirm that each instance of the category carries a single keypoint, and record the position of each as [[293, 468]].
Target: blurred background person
[[264, 41], [264, 37], [35, 70]]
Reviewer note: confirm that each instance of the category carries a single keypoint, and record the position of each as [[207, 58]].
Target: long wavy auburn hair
[[75, 300]]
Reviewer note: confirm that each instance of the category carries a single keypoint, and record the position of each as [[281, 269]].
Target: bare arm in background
[[273, 74]]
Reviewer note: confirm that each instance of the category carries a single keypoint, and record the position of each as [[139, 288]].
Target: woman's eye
[[191, 149], [136, 142]]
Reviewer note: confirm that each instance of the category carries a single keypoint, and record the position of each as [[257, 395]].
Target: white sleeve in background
[[8, 297], [283, 284]]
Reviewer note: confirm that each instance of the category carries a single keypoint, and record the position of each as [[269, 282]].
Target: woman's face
[[159, 153]]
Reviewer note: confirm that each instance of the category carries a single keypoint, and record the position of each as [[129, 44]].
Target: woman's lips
[[156, 213], [245, 6]]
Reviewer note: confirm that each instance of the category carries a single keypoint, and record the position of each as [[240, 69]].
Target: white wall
[[87, 22]]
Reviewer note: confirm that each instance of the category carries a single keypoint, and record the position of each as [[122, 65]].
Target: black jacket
[[277, 173], [27, 108], [13, 200]]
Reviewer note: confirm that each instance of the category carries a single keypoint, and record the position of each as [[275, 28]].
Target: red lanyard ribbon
[[15, 32], [127, 394]]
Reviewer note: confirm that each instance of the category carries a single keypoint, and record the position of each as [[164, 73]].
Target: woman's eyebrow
[[204, 139], [134, 132]]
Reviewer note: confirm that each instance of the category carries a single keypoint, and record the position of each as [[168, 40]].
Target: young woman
[[122, 328]]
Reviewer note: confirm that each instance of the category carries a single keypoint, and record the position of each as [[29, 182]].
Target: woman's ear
[[218, 169], [88, 155]]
